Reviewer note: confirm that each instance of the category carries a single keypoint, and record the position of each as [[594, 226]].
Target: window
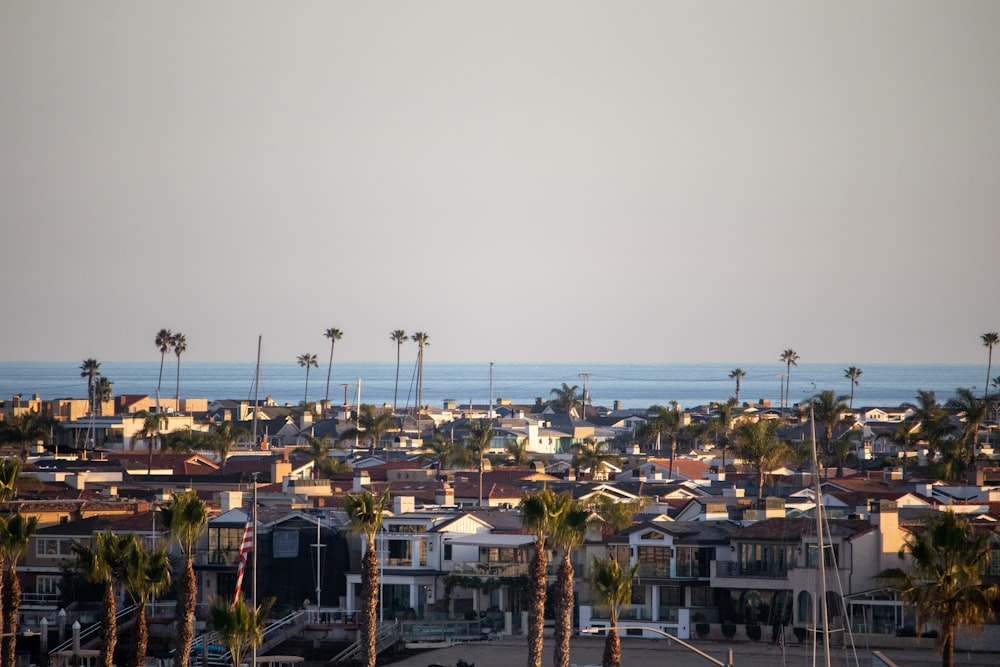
[[805, 605], [994, 568], [813, 555], [47, 585], [447, 550], [400, 552], [51, 548]]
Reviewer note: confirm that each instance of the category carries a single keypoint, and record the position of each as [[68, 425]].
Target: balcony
[[754, 569], [490, 569]]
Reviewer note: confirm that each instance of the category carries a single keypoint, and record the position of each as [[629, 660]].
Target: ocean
[[634, 385]]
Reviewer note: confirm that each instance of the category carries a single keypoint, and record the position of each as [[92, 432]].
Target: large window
[[400, 552], [765, 560], [47, 584], [224, 545], [829, 557], [51, 547], [654, 561]]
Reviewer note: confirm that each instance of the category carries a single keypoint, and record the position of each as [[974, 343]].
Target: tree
[[164, 341], [10, 473], [538, 517], [790, 358], [612, 587], [14, 541], [184, 440], [840, 452], [178, 341], [944, 580], [372, 425], [445, 452], [102, 391], [852, 373], [334, 335], [223, 437], [420, 338], [185, 519], [737, 374], [568, 534], [932, 419], [318, 450], [152, 423], [105, 563], [721, 425], [399, 337], [478, 443], [90, 369], [758, 445], [616, 515], [594, 456], [306, 361], [566, 398], [828, 409], [25, 428], [666, 421], [517, 452], [147, 573], [240, 626], [364, 516], [973, 411], [989, 340]]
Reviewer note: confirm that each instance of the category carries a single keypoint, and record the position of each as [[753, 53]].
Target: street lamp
[[644, 628]]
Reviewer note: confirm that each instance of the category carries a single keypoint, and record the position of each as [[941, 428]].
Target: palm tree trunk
[[177, 389], [673, 453], [305, 398], [536, 604], [12, 606], [563, 604], [187, 597], [367, 623], [395, 391], [612, 647], [948, 645], [989, 367], [141, 636], [3, 598], [109, 626], [329, 371]]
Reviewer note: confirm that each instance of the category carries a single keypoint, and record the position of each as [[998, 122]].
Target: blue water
[[635, 385]]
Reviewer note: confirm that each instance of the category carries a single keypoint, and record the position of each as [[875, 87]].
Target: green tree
[[420, 338], [989, 340], [721, 425], [568, 534], [373, 423], [566, 398], [318, 451], [944, 579], [593, 456], [445, 452], [307, 361], [106, 563], [758, 446], [666, 421], [152, 424], [185, 518], [102, 391], [616, 515], [973, 412], [14, 540], [178, 342], [333, 334], [828, 410], [184, 440], [25, 428], [538, 517], [612, 587], [10, 474], [852, 373], [478, 443], [90, 369], [790, 358], [147, 573], [222, 438], [164, 340], [518, 454], [399, 337], [737, 374], [240, 626], [364, 516], [932, 420]]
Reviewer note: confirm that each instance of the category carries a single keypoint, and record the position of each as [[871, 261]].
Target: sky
[[535, 181]]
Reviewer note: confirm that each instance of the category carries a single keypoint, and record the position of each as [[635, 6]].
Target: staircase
[[91, 635], [282, 629], [274, 633], [388, 634]]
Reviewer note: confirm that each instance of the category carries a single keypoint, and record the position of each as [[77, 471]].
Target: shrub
[[753, 631], [702, 629], [728, 630]]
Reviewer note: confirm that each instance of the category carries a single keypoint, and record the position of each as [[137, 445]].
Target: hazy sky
[[524, 181]]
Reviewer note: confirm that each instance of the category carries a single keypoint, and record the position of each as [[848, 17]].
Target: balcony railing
[[490, 569], [761, 570], [692, 571]]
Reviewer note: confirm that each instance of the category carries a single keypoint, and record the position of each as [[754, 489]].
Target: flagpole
[[253, 580]]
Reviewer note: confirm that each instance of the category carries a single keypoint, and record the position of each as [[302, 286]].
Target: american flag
[[781, 639], [245, 547]]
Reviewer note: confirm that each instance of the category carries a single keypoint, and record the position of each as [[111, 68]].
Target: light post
[[714, 661]]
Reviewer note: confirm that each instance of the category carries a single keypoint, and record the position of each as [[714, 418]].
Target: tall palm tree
[[944, 579], [106, 563], [594, 456], [852, 373], [306, 361], [932, 419], [179, 342], [568, 535], [722, 425], [364, 516], [373, 423], [147, 573], [973, 411], [10, 472], [164, 341], [334, 335], [566, 398], [420, 338], [538, 517], [989, 340], [478, 443], [185, 519], [152, 424], [737, 374], [222, 438], [828, 410], [758, 445], [90, 369], [240, 626], [102, 392], [666, 421], [399, 337], [612, 587], [791, 358], [16, 536]]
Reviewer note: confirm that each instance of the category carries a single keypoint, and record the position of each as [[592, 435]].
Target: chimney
[[280, 469], [361, 480], [403, 504], [885, 518], [230, 500], [618, 405], [445, 495], [449, 404], [774, 508]]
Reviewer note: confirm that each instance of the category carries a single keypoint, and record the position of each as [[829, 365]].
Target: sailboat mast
[[256, 394], [820, 547]]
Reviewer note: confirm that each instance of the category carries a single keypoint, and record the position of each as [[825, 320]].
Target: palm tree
[[828, 409], [334, 335], [185, 519], [594, 456], [722, 425], [25, 428], [612, 587], [317, 450], [10, 472], [16, 536], [737, 374], [420, 338], [932, 419], [240, 626], [538, 517], [566, 398], [974, 411], [989, 340], [223, 437], [665, 421], [89, 369], [102, 392], [106, 563], [164, 341], [617, 515], [445, 452], [518, 453], [791, 358], [306, 360], [852, 373], [568, 535], [758, 445], [372, 424], [478, 443], [179, 342], [364, 516], [147, 573], [944, 580], [152, 423], [399, 337]]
